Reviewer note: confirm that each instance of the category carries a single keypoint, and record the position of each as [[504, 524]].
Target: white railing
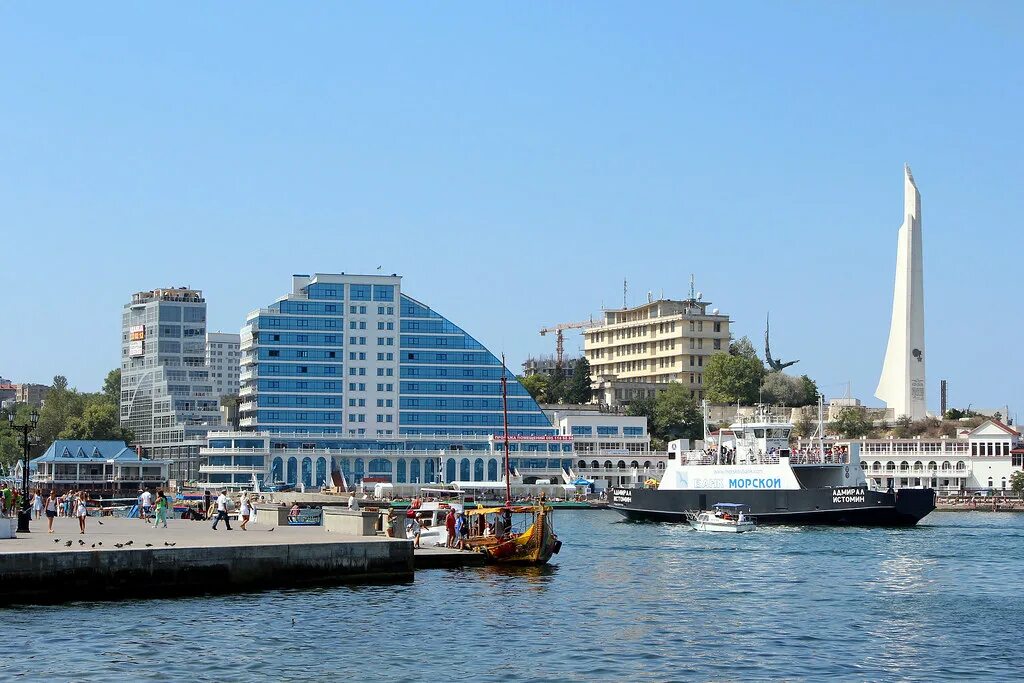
[[239, 469]]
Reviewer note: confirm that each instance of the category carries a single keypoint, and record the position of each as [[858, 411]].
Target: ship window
[[758, 433]]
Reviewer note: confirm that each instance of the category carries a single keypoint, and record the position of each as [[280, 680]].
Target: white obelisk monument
[[901, 385]]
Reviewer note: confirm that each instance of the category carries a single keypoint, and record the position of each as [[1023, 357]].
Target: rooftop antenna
[[693, 293], [624, 293]]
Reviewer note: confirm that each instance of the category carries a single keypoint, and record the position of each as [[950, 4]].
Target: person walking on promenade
[[161, 509], [80, 512], [207, 502], [51, 510], [222, 510], [449, 525], [5, 498], [245, 511], [37, 504], [147, 505]]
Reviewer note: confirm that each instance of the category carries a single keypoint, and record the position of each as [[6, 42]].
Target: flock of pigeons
[[126, 544], [116, 545]]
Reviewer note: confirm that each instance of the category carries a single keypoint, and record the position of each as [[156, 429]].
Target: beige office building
[[639, 350]]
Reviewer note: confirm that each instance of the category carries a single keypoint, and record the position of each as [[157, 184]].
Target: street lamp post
[[25, 515]]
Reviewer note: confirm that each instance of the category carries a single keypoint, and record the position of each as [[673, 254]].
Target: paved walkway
[[181, 532]]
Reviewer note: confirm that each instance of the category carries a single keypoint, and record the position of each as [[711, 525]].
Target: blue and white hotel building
[[346, 376]]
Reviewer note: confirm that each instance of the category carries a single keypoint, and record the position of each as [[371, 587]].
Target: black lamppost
[[26, 510]]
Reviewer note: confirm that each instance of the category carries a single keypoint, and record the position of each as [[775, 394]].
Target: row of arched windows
[[621, 464]]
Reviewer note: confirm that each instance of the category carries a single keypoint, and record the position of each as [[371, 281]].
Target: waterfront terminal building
[[346, 379], [982, 458]]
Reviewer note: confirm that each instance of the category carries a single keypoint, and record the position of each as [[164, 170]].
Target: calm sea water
[[624, 601]]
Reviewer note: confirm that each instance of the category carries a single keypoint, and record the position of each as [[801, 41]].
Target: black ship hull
[[851, 506]]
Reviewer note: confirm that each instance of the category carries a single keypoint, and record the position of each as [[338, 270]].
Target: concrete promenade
[[188, 557]]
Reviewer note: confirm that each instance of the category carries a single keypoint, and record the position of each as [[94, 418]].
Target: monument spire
[[902, 384]]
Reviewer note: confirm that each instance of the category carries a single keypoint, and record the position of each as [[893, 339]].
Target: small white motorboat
[[723, 517]]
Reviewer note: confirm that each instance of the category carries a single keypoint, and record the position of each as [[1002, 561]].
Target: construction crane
[[559, 337]]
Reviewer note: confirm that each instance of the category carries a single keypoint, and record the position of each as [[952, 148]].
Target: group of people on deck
[[459, 526]]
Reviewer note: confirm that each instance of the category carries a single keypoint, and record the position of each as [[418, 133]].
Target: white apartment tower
[[223, 356], [902, 384]]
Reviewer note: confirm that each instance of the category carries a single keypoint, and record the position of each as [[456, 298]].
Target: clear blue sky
[[514, 162]]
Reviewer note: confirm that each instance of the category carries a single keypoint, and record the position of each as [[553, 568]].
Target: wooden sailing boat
[[537, 543]]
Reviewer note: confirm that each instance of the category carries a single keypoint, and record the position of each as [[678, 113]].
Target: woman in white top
[[245, 511], [37, 504], [80, 511], [51, 509]]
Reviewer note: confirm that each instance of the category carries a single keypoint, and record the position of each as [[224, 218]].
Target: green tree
[[99, 421], [578, 387], [536, 386], [10, 440], [557, 385], [730, 378], [112, 386], [676, 415], [1017, 482], [810, 391], [642, 407], [743, 348], [786, 390], [60, 406], [803, 427], [850, 423]]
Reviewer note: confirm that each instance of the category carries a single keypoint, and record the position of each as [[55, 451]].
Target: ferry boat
[[816, 485]]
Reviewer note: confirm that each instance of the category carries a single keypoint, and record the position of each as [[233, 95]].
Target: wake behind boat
[[815, 486]]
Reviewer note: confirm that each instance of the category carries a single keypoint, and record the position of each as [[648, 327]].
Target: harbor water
[[623, 601]]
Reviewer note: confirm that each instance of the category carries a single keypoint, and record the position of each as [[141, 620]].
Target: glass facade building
[[167, 397], [348, 374]]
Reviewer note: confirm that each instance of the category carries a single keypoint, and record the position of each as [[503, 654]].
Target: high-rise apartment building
[[223, 356], [167, 397], [638, 350], [351, 355]]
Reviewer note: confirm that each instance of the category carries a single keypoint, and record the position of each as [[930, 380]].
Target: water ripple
[[623, 601]]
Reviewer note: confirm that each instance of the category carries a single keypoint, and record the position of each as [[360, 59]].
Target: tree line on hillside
[[67, 413]]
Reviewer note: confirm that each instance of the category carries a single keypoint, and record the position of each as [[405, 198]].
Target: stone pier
[[187, 558]]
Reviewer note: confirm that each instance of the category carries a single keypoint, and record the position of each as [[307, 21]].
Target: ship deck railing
[[706, 458]]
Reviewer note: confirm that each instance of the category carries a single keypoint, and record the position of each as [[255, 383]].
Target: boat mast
[[504, 410]]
